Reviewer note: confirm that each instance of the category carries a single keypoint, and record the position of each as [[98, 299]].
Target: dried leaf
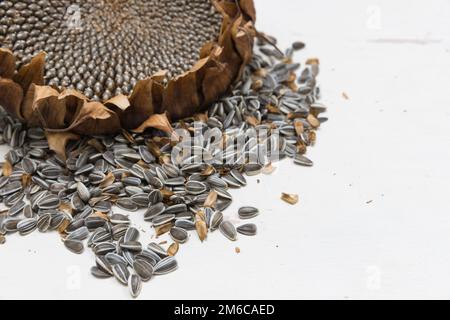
[[289, 198], [58, 141]]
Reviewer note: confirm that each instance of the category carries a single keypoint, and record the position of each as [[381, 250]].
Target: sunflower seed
[[29, 166], [114, 258], [127, 204], [131, 235], [249, 229], [195, 187], [215, 220], [75, 225], [156, 248], [99, 273], [103, 248], [27, 226], [146, 155], [165, 266], [121, 273], [252, 169], [248, 212], [149, 256], [135, 285], [303, 161], [154, 211], [179, 235], [49, 202], [185, 224], [155, 196], [43, 223], [143, 268], [119, 231], [83, 192], [79, 234], [228, 230], [177, 208], [10, 188], [119, 219], [133, 246], [74, 246], [94, 222], [140, 199], [10, 224], [162, 219], [17, 209]]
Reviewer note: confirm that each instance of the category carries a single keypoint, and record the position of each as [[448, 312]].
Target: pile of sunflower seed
[[179, 192]]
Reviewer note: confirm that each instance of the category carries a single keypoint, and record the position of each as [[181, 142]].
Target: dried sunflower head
[[113, 63]]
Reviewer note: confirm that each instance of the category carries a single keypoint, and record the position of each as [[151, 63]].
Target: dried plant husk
[[24, 94]]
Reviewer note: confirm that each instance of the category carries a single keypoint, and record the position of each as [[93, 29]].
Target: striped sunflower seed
[[154, 211], [121, 273], [99, 273], [74, 246], [165, 266], [81, 233], [249, 229], [27, 226], [132, 234], [303, 161], [143, 268], [248, 212], [83, 192], [179, 235], [16, 209], [228, 230], [135, 285]]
